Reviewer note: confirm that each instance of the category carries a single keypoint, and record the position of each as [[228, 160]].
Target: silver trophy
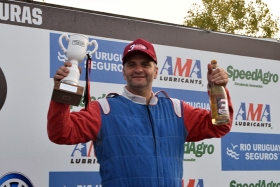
[[67, 90]]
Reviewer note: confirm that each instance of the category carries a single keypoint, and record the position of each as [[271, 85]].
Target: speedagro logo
[[256, 78], [198, 150], [260, 183]]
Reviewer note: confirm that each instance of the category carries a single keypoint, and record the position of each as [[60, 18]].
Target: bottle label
[[222, 107]]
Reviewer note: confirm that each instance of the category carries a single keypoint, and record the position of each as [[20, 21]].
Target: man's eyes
[[142, 64], [130, 64], [145, 64]]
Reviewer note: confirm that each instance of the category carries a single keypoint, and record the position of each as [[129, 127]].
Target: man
[[138, 136]]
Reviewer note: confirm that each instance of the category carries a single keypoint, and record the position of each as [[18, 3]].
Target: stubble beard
[[139, 85]]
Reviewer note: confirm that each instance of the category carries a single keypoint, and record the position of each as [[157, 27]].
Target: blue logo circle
[[15, 180]]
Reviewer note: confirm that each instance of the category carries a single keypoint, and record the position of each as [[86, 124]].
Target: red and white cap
[[137, 46]]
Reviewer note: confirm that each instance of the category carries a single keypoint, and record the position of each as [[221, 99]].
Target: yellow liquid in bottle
[[219, 105]]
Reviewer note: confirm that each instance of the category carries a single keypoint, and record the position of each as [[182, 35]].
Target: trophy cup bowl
[[67, 90]]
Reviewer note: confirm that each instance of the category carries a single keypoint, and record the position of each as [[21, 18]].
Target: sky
[[170, 11]]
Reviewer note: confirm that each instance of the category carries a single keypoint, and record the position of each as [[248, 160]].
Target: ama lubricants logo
[[250, 151], [186, 71], [15, 180], [83, 153], [106, 63], [253, 115], [193, 183]]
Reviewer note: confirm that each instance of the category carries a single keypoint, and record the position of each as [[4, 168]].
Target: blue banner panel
[[74, 179], [196, 99], [250, 151], [106, 61]]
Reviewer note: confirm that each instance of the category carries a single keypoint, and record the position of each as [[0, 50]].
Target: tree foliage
[[234, 16]]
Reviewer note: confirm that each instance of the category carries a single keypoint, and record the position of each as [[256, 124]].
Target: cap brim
[[127, 55]]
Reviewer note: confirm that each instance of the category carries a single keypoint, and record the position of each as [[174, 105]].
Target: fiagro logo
[[250, 151], [106, 64], [83, 153], [3, 89], [253, 115], [15, 180], [193, 183], [197, 150], [257, 77], [260, 183], [20, 14], [188, 71], [82, 104]]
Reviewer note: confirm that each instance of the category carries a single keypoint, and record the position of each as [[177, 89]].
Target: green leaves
[[234, 16]]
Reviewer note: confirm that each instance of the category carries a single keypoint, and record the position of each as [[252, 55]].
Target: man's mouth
[[138, 77]]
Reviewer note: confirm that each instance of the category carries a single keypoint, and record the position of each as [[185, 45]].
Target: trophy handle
[[96, 46], [64, 35]]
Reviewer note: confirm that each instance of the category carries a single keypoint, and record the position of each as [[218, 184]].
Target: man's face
[[139, 71]]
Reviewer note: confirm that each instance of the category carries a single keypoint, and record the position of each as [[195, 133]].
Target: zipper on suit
[[154, 136]]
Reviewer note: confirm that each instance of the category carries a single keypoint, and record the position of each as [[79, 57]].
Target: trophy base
[[67, 93]]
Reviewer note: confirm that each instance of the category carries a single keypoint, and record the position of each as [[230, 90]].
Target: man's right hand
[[62, 71]]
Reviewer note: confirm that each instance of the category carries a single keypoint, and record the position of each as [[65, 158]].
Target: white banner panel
[[247, 156]]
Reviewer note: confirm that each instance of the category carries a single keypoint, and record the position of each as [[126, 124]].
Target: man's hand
[[63, 71], [218, 76]]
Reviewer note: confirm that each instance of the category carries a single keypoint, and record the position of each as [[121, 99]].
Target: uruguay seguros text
[[261, 151]]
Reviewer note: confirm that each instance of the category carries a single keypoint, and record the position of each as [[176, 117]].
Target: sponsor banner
[[106, 64], [74, 179], [196, 150], [194, 98], [252, 77], [83, 153], [27, 82], [254, 115], [250, 151], [20, 14], [175, 69], [197, 99]]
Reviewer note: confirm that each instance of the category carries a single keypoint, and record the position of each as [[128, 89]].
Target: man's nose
[[138, 68]]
